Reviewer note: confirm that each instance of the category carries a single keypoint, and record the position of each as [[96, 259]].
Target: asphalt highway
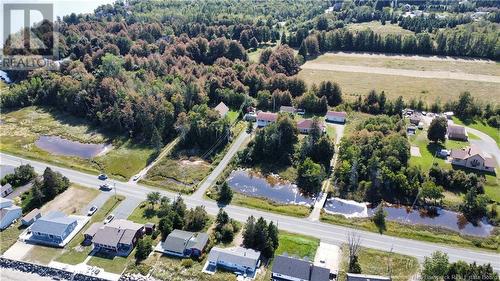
[[326, 232]]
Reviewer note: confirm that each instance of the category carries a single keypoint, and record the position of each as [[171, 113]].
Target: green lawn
[[233, 116], [480, 126], [76, 253], [297, 245], [180, 175], [9, 236], [429, 149], [264, 204], [113, 264], [144, 213], [21, 128], [492, 187], [417, 232], [378, 28], [42, 254], [399, 267]]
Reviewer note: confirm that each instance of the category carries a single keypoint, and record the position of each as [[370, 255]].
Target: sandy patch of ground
[[415, 151], [401, 72], [71, 201], [18, 251], [192, 163], [409, 57]]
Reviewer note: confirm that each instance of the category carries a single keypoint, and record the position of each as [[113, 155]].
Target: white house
[[5, 190], [266, 118], [472, 157], [306, 125], [242, 260], [336, 116], [8, 212]]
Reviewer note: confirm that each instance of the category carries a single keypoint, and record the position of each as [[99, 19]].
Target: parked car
[[136, 177], [444, 153], [102, 177], [109, 218], [92, 210], [105, 187]]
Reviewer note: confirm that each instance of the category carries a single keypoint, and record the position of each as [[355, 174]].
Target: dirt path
[[409, 57], [401, 72]]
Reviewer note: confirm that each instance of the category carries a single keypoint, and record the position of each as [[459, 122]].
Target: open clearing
[[378, 28], [425, 77], [21, 128], [71, 201]]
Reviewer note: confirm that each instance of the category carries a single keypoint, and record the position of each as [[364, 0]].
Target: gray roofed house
[[289, 268], [222, 109], [8, 212], [288, 109], [243, 260], [6, 189], [183, 244], [118, 237], [472, 157], [456, 132], [52, 228], [92, 230], [31, 217]]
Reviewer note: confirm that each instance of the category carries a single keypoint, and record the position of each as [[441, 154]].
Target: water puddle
[[347, 208], [60, 146], [270, 187]]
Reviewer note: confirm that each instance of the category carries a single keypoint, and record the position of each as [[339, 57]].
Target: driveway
[[20, 190], [98, 202], [126, 207]]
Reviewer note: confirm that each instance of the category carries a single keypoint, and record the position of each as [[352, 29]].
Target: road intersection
[[326, 232]]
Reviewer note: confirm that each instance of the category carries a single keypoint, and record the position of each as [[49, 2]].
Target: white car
[[109, 218], [136, 177], [92, 210]]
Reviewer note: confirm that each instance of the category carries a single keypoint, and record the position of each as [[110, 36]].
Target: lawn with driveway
[[75, 252]]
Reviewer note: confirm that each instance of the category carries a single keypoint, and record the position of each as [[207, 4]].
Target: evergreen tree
[[249, 233], [144, 248], [379, 218], [225, 194]]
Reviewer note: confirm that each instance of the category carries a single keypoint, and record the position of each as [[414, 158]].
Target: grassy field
[[378, 28], [75, 252], [399, 267], [400, 62], [354, 84], [178, 174], [481, 126], [429, 149], [144, 213], [42, 254], [297, 245], [9, 236], [21, 128], [417, 232]]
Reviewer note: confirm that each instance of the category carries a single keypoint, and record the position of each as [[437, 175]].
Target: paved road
[[210, 180], [487, 143], [326, 232]]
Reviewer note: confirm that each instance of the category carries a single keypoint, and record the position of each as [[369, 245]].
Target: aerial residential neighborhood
[[277, 140]]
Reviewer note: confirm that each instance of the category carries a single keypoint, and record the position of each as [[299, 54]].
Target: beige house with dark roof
[[472, 157], [118, 237]]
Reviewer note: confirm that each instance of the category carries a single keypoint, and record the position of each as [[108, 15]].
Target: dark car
[[105, 187], [102, 177]]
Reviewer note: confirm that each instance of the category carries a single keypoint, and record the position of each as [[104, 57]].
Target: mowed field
[[378, 28], [420, 77]]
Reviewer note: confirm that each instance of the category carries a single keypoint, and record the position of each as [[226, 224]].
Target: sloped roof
[[179, 240], [237, 255], [292, 267], [289, 109], [470, 151], [92, 230], [336, 114], [307, 124], [320, 273], [32, 214], [54, 223], [116, 232], [456, 130], [267, 116], [222, 108]]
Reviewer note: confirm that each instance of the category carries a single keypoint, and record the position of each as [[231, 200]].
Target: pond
[[347, 208], [60, 146], [441, 218], [270, 187], [4, 77]]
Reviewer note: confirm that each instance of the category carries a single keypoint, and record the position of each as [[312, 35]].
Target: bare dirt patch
[[71, 201]]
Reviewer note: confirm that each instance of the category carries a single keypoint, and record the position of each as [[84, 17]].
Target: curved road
[[325, 232]]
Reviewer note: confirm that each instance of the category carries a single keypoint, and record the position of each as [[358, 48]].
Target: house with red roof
[[266, 118], [472, 157], [336, 116], [306, 125]]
